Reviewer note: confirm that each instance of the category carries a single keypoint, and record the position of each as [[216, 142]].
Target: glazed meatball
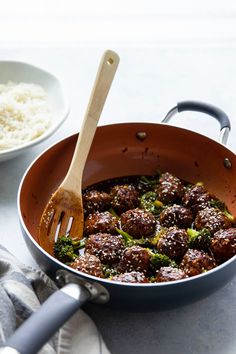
[[134, 258], [94, 200], [124, 197], [108, 248], [211, 219], [138, 223], [170, 188], [170, 274], [223, 244], [196, 262], [88, 264], [196, 198], [103, 222], [176, 215], [132, 277], [173, 243]]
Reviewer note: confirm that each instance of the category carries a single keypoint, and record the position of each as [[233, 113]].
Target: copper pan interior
[[120, 150]]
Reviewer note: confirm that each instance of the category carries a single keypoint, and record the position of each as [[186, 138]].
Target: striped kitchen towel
[[22, 290]]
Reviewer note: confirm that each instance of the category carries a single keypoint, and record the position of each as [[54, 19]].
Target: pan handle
[[43, 324], [203, 107]]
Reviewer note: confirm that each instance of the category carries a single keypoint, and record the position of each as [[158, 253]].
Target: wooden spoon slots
[[63, 214]]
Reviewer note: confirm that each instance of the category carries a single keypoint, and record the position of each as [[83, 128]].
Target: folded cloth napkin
[[22, 290]]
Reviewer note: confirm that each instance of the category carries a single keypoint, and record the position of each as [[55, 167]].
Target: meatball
[[173, 243], [196, 262], [132, 277], [138, 223], [103, 222], [176, 215], [88, 264], [94, 200], [170, 188], [108, 248], [211, 219], [124, 197], [134, 258], [196, 198], [223, 244], [170, 274]]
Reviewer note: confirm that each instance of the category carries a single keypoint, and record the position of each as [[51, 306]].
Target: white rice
[[24, 113]]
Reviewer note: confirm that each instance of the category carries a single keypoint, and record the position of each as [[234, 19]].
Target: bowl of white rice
[[32, 107]]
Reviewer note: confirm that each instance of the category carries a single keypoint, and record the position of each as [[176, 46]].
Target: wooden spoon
[[63, 214]]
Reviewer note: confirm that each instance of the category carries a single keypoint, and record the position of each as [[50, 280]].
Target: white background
[[130, 22]]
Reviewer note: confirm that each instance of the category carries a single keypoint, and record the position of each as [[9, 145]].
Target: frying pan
[[121, 150]]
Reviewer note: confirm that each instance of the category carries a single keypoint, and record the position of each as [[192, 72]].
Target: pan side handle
[[203, 107], [43, 324]]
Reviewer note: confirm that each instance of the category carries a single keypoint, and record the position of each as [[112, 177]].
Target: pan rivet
[[227, 163], [103, 297], [60, 279], [141, 136]]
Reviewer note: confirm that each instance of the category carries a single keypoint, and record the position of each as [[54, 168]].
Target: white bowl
[[17, 72]]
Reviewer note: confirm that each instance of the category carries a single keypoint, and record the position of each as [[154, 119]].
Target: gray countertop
[[148, 83]]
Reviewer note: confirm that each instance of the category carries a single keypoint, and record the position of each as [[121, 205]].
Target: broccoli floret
[[130, 241], [200, 240], [147, 183], [149, 202], [66, 249], [219, 204], [159, 260], [108, 271], [154, 240]]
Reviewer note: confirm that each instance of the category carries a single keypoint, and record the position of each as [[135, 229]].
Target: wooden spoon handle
[[103, 81]]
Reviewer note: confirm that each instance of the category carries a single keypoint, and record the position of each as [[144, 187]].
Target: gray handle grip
[[207, 108], [43, 324]]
